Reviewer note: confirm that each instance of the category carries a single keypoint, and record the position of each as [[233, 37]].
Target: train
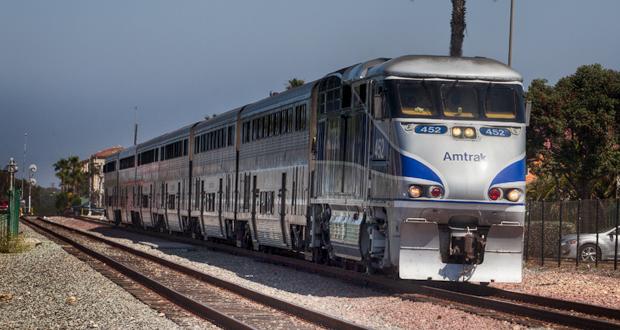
[[413, 165]]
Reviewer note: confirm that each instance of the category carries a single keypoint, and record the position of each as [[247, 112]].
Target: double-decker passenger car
[[414, 164]]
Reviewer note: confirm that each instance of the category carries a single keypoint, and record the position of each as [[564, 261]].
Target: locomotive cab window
[[460, 100], [501, 102], [456, 100], [415, 100]]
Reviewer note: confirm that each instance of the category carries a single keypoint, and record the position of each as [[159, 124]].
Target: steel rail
[[463, 293], [173, 296], [299, 311]]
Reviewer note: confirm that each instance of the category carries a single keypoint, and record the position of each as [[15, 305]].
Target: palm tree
[[294, 83], [69, 171], [76, 174], [62, 172], [457, 26]]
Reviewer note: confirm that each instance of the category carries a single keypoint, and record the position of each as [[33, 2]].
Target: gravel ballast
[[351, 302], [587, 286], [47, 288]]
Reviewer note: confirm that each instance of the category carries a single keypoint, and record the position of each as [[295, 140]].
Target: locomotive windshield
[[456, 100]]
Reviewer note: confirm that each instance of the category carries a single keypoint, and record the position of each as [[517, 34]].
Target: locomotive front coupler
[[466, 244]]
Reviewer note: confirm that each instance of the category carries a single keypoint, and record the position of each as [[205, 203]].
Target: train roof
[[225, 118], [287, 97], [448, 67], [166, 137], [127, 152]]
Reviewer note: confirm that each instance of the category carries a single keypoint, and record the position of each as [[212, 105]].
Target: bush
[[550, 239]]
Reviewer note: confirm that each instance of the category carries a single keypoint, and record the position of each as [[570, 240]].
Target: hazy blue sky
[[72, 71]]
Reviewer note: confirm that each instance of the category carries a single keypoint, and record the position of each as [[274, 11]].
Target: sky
[[71, 72]]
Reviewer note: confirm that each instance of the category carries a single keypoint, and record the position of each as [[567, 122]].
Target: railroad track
[[544, 309], [223, 303]]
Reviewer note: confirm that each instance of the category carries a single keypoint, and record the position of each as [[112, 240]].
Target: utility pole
[[512, 6], [90, 184], [21, 195], [135, 125]]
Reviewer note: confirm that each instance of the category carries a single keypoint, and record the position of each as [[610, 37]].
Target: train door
[[220, 194], [253, 207], [202, 208], [283, 207]]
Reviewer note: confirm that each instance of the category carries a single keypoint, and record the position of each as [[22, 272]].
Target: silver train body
[[414, 164]]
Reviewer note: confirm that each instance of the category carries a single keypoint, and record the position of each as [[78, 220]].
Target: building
[[95, 181]]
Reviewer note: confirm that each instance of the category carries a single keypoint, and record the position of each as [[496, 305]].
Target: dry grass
[[15, 244]]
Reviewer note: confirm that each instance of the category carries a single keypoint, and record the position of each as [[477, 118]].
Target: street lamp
[[12, 169], [32, 181]]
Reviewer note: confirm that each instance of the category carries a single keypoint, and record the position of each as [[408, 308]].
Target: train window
[[127, 162], [359, 98], [246, 193], [210, 202], [276, 123], [459, 100], [284, 121], [171, 201], [501, 102], [231, 135], [147, 157], [290, 119], [415, 99], [267, 126], [145, 201], [266, 202], [300, 117], [346, 97], [109, 167]]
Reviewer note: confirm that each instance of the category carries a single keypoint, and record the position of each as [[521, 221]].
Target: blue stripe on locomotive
[[514, 172], [415, 169]]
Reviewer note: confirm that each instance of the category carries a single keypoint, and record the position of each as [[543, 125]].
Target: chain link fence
[[581, 232]]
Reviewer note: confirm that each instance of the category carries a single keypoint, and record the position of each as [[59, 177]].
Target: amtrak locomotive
[[414, 164]]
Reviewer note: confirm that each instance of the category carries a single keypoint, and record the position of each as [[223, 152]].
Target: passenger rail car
[[414, 164]]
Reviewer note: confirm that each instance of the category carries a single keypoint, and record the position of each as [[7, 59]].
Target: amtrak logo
[[464, 157]]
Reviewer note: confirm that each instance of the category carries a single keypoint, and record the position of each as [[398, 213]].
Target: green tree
[[574, 135], [61, 167], [70, 172], [294, 83], [457, 27]]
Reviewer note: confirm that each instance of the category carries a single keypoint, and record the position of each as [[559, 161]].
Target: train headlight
[[415, 191], [513, 195], [495, 194], [457, 131], [470, 133], [435, 191]]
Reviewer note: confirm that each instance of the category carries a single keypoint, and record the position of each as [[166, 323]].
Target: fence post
[[527, 238], [617, 234], [578, 223], [542, 233], [596, 215], [560, 235], [13, 216]]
